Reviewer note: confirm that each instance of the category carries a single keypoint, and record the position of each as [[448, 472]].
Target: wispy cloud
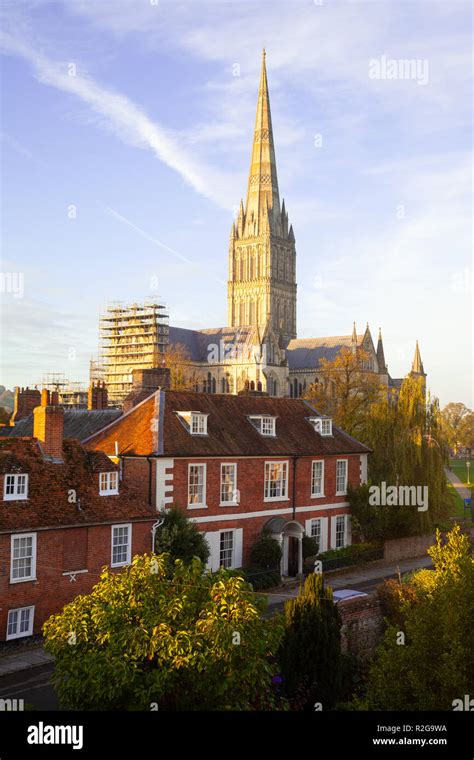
[[120, 115]]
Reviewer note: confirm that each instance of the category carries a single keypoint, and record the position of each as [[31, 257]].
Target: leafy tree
[[435, 664], [192, 641], [408, 447], [178, 360], [180, 538], [466, 432], [5, 415], [345, 389], [265, 552], [310, 652], [452, 416]]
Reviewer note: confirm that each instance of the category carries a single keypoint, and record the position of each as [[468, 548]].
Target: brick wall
[[362, 625], [58, 551], [250, 482], [136, 472], [404, 548]]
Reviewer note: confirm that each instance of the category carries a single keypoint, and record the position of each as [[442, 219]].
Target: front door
[[292, 556]]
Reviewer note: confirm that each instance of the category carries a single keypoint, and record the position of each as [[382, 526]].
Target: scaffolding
[[71, 393], [131, 336]]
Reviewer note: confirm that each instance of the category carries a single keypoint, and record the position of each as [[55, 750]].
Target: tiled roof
[[306, 353], [50, 484], [198, 342], [78, 423], [153, 427]]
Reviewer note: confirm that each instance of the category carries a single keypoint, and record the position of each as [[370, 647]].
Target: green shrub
[[310, 546], [262, 579], [180, 538], [266, 552]]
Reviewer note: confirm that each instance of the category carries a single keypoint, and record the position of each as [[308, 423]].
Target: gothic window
[[223, 385], [275, 388], [259, 386], [214, 388], [295, 388], [252, 385], [252, 313], [300, 390]]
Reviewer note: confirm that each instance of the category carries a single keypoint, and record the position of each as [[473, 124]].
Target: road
[[33, 686]]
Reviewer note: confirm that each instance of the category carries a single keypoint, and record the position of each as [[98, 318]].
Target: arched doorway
[[289, 534]]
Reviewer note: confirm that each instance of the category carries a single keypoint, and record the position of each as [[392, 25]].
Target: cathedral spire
[[381, 355], [263, 183], [417, 364]]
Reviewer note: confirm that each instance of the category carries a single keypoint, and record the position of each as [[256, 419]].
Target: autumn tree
[[465, 432], [452, 417], [345, 389], [426, 660], [408, 449], [177, 359], [144, 639]]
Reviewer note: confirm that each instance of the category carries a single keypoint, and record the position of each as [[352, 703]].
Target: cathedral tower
[[262, 258]]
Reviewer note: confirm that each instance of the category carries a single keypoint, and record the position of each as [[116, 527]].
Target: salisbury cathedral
[[259, 349]]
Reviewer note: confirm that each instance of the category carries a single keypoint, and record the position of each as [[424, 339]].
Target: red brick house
[[240, 464], [64, 514]]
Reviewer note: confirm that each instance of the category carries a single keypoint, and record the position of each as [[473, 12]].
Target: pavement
[[24, 659], [361, 578], [464, 493]]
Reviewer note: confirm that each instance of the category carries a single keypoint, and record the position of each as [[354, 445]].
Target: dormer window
[[195, 422], [322, 425], [198, 424], [15, 487], [265, 424], [108, 483]]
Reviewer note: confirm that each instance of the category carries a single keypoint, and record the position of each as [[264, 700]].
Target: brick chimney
[[97, 396], [48, 425], [144, 383], [24, 402]]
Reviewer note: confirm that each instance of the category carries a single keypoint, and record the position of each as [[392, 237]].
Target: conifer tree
[[310, 654]]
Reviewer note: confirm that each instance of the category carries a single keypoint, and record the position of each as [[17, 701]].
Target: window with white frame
[[15, 487], [326, 427], [198, 424], [265, 424], [322, 425], [276, 481], [341, 476], [197, 485], [194, 422], [340, 531], [228, 484], [121, 545], [317, 478], [226, 548], [316, 531], [20, 622], [23, 557], [108, 483]]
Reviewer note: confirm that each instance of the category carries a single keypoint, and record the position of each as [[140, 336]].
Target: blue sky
[[140, 115]]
